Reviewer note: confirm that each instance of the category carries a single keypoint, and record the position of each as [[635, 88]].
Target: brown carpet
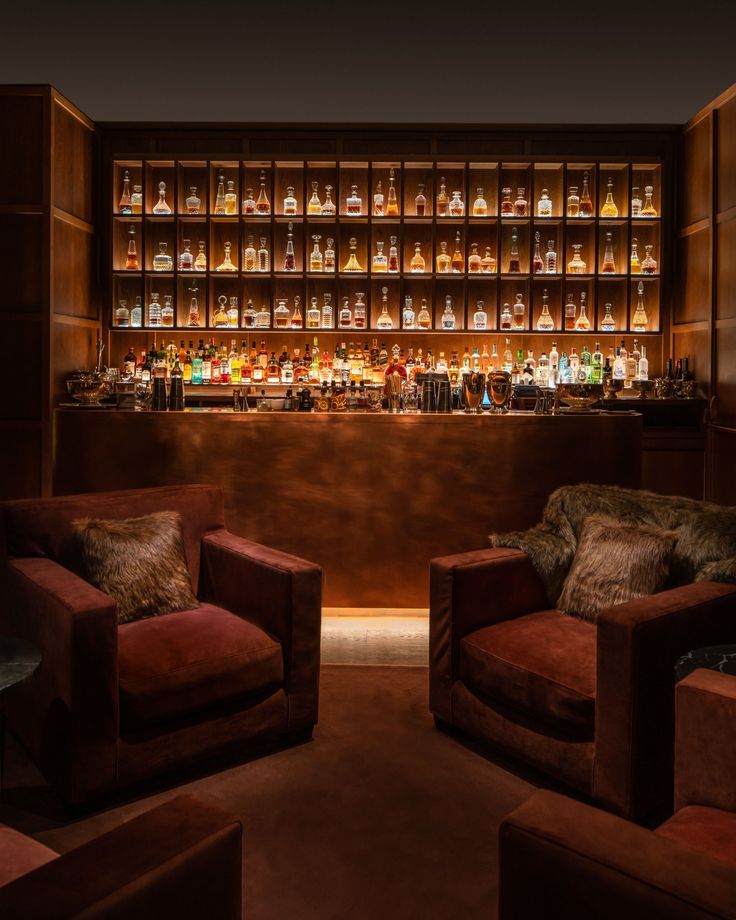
[[381, 816]]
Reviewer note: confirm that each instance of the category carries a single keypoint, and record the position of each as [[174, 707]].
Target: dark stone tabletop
[[18, 659], [714, 657]]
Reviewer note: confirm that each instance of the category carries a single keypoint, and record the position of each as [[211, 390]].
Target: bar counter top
[[371, 497]]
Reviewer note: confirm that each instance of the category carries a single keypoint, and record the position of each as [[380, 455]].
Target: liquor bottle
[[458, 260], [586, 204], [162, 261], [345, 315], [273, 370], [544, 205], [249, 315], [442, 199], [290, 204], [520, 205], [327, 313], [408, 317], [649, 264], [167, 312], [643, 373], [640, 320], [480, 205], [596, 365], [576, 265], [573, 202], [193, 202], [480, 317], [263, 205], [264, 259], [219, 320], [393, 256], [297, 320], [315, 257], [329, 208], [545, 323], [360, 313], [352, 264], [506, 317], [130, 363], [448, 317], [235, 362], [574, 363], [424, 320], [233, 313], [124, 205], [507, 205], [329, 259], [554, 365], [443, 261], [122, 314], [231, 199], [136, 314], [200, 260], [220, 197], [635, 202], [313, 315], [161, 206], [582, 323], [380, 262], [249, 202], [519, 313], [353, 202], [586, 365], [635, 264], [632, 368], [488, 263], [514, 260], [263, 317], [378, 200], [508, 357], [570, 312], [281, 314], [608, 324], [542, 376], [289, 257], [132, 263], [619, 367], [648, 210], [250, 256], [420, 202], [456, 206], [537, 262], [186, 259], [384, 320], [314, 205], [227, 263], [474, 259], [550, 258], [417, 263], [609, 208], [136, 200], [392, 204], [608, 266]]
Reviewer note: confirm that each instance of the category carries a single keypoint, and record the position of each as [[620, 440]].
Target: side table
[[714, 657], [18, 660]]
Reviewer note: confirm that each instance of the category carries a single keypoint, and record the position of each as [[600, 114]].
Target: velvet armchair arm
[[637, 647], [67, 712], [281, 594], [182, 859], [561, 859], [466, 592]]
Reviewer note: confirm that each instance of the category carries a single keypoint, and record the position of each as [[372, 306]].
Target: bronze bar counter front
[[370, 497]]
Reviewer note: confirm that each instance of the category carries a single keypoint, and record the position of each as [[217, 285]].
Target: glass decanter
[[420, 202], [582, 323], [550, 258], [329, 259], [200, 260], [636, 202], [573, 202], [231, 199], [313, 315], [122, 314], [354, 203], [458, 259], [162, 261], [480, 205], [329, 208], [290, 201], [474, 259], [186, 258], [289, 256], [392, 204], [545, 323], [520, 205], [488, 263], [264, 257], [227, 263], [167, 312], [220, 197], [263, 317], [480, 317], [634, 262], [193, 202], [648, 263], [378, 200], [544, 205], [648, 210], [316, 261], [136, 200], [442, 199], [408, 317], [281, 314], [519, 313], [124, 205], [233, 313], [608, 324], [136, 314], [506, 317], [514, 260], [132, 263], [327, 312], [537, 261], [380, 262], [443, 261], [586, 204], [297, 320], [249, 202], [393, 255], [417, 263], [345, 315], [249, 315], [384, 320], [456, 206], [193, 319], [424, 320], [576, 265], [507, 205], [448, 316], [352, 264], [161, 206], [640, 321], [314, 205], [219, 320], [250, 256], [263, 205], [608, 266], [360, 311], [609, 208], [570, 313]]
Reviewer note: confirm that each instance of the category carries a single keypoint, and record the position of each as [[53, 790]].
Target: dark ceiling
[[325, 60]]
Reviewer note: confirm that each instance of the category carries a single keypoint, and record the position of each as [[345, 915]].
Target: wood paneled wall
[[48, 299]]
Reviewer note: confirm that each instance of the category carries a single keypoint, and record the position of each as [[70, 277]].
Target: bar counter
[[370, 497]]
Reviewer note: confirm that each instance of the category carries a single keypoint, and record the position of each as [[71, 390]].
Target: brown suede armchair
[[560, 858], [591, 705], [182, 859], [112, 704]]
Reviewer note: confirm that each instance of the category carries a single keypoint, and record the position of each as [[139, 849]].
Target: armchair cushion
[[709, 830], [139, 562], [177, 665], [20, 854], [542, 664]]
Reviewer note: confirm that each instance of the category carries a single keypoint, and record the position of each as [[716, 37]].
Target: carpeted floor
[[381, 816]]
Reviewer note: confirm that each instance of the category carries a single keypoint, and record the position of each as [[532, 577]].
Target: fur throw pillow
[[615, 563], [140, 562]]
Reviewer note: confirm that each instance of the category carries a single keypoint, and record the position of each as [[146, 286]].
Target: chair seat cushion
[[20, 854], [708, 830], [174, 665], [542, 664]]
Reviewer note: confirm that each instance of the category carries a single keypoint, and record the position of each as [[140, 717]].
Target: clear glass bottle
[[573, 202], [448, 316], [378, 200], [456, 206], [634, 261], [480, 316], [329, 259], [281, 314], [442, 199], [514, 259], [550, 258], [506, 317], [384, 320], [474, 259], [316, 261], [582, 323], [648, 264], [608, 266], [193, 317], [360, 312], [609, 208], [249, 315], [132, 263], [520, 205], [408, 317], [392, 204], [643, 369], [161, 206], [219, 320], [313, 315], [328, 319], [648, 210], [519, 312], [586, 204], [263, 205], [290, 204], [393, 255], [636, 202], [220, 197], [545, 323], [233, 313], [249, 202], [345, 315], [227, 263], [297, 320], [457, 262], [608, 323], [544, 205], [136, 200], [154, 311], [231, 199], [420, 202], [329, 208], [186, 258], [289, 257], [264, 258], [640, 321], [314, 205], [124, 205], [250, 256], [200, 260], [263, 317], [162, 261], [122, 314], [424, 319], [480, 205], [443, 261], [354, 203], [537, 261], [167, 312], [352, 264], [417, 264], [507, 205], [380, 262], [576, 265], [488, 263]]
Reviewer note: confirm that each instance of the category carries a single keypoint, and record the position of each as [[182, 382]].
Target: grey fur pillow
[[615, 563], [140, 562]]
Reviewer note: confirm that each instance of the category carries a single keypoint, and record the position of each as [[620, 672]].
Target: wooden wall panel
[[697, 175], [74, 265], [726, 379], [21, 161], [21, 467], [74, 348], [726, 271], [693, 302], [23, 399], [721, 454], [22, 246], [72, 164], [696, 344], [726, 155], [670, 472]]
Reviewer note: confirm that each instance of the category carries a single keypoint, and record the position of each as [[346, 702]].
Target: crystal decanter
[[249, 203], [193, 318], [219, 320], [519, 313], [264, 257], [249, 315], [352, 264], [316, 261], [576, 265], [480, 205], [314, 205], [609, 208], [200, 260], [328, 319], [474, 259], [186, 258], [125, 205], [132, 263], [608, 266], [480, 316], [154, 311], [408, 317], [506, 317], [193, 202], [161, 206], [545, 323], [573, 202], [514, 259], [380, 262], [648, 210], [488, 263], [424, 319], [250, 256], [329, 208], [393, 255], [520, 205], [313, 315], [167, 311], [227, 264], [297, 320], [608, 323], [136, 200], [586, 203], [640, 320], [537, 261], [550, 258], [289, 257], [636, 202], [345, 315], [570, 313], [329, 259], [360, 311], [392, 204], [648, 263], [458, 259], [263, 205], [456, 206], [417, 263], [220, 197], [162, 261], [420, 202], [634, 261], [231, 199], [442, 199], [354, 203], [582, 323], [384, 320], [507, 205], [233, 313], [290, 203], [378, 200], [443, 261], [544, 205], [122, 314], [281, 314], [448, 316]]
